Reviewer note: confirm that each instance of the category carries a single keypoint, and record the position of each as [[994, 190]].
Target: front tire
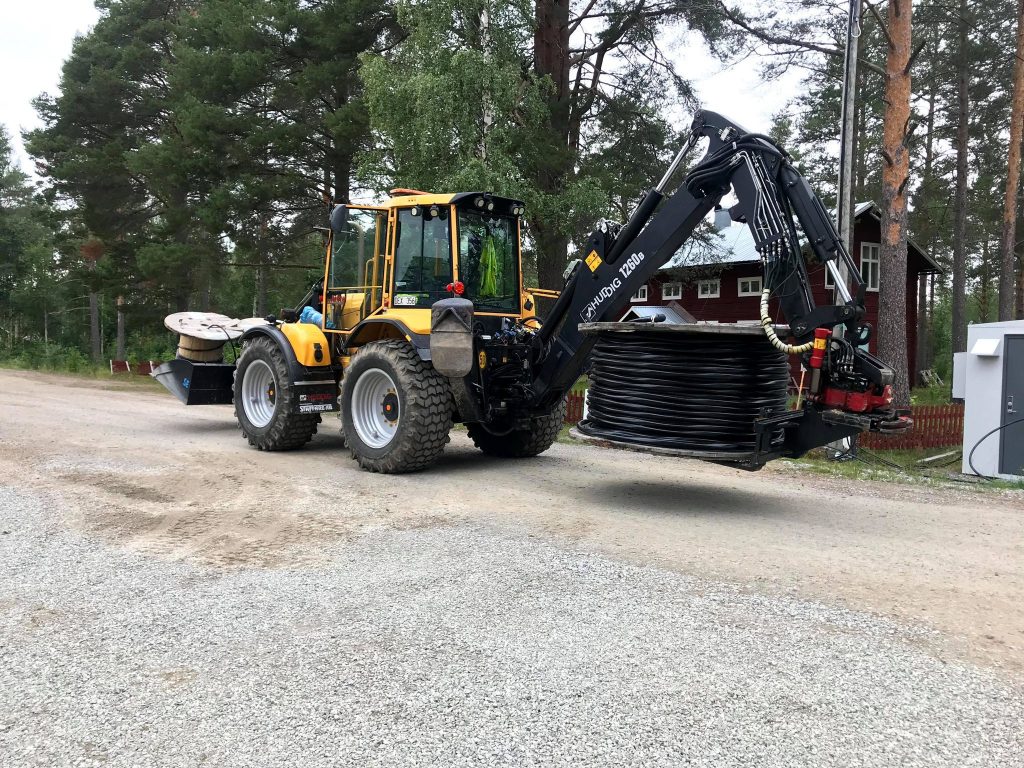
[[520, 443], [396, 410], [263, 397]]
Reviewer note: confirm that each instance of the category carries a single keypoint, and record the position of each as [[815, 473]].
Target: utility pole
[[844, 201], [844, 197]]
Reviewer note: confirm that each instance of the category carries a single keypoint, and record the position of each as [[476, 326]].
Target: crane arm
[[773, 201]]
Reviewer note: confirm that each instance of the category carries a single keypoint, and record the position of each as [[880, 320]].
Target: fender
[[363, 334], [306, 338]]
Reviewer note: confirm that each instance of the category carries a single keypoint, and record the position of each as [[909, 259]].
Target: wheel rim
[[259, 393], [376, 412]]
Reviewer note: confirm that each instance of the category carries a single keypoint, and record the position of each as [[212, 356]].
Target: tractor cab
[[391, 263]]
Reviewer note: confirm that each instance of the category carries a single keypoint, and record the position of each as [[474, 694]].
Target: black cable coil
[[696, 392]]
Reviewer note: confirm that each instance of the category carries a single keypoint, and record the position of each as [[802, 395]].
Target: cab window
[[489, 260], [423, 257], [361, 239], [356, 268]]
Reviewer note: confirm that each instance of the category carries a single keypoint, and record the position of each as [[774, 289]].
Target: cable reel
[[693, 390]]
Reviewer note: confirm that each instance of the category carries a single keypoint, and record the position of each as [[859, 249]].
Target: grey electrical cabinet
[[989, 377]]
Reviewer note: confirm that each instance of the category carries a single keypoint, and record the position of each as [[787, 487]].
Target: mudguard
[[316, 385], [363, 334]]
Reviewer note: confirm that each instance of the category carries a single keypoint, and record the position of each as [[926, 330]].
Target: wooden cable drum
[[202, 335], [200, 350]]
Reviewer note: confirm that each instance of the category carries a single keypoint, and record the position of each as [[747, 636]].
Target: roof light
[[490, 205], [434, 211], [415, 210], [479, 202]]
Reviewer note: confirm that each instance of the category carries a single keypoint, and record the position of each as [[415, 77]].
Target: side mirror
[[339, 218]]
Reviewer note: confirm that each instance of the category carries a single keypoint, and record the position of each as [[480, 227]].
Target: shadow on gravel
[[199, 426], [684, 499], [326, 440], [466, 461]]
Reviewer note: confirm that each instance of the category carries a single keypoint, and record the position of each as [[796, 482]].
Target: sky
[[36, 38]]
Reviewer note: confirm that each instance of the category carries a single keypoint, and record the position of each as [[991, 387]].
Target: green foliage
[[192, 147], [49, 357], [463, 103], [938, 394]]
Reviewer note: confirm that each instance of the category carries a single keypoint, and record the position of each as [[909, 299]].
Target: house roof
[[671, 315], [735, 245]]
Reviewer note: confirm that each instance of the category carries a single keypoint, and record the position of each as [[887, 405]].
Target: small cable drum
[[692, 390]]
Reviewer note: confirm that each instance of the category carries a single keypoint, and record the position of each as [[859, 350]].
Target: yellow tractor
[[407, 287], [421, 320]]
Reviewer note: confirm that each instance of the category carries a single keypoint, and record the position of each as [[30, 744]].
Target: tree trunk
[[921, 353], [892, 311], [1007, 283], [119, 352], [1020, 287], [551, 59], [341, 160], [342, 178], [930, 359], [94, 327], [259, 302], [985, 283], [959, 331]]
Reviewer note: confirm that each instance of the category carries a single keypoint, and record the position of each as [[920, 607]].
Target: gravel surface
[[461, 644]]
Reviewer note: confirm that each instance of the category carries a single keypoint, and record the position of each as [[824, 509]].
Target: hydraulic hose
[[970, 456], [769, 331]]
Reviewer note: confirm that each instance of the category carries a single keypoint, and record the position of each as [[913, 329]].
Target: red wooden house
[[722, 284]]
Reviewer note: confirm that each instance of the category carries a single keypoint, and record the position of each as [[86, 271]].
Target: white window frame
[[751, 291], [671, 291], [640, 295], [871, 253], [830, 284], [715, 291]]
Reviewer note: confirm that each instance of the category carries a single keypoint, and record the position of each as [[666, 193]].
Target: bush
[[49, 357]]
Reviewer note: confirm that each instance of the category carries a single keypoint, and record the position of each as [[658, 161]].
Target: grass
[[936, 395], [896, 466], [76, 368]]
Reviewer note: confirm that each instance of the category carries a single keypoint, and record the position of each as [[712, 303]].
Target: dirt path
[[144, 472]]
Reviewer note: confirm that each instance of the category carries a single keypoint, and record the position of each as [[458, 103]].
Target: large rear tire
[[263, 395], [520, 443], [396, 410]]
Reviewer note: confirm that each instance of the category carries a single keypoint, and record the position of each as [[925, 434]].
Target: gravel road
[[169, 597]]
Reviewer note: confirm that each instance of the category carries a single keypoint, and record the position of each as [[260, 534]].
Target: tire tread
[[288, 430], [428, 408], [521, 443]]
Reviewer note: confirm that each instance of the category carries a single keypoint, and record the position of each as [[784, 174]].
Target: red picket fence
[[143, 368], [574, 407], [935, 426]]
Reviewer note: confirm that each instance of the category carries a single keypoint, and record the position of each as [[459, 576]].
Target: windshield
[[423, 258], [489, 261]]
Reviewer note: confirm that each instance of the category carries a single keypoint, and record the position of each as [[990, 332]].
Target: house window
[[709, 289], [640, 295], [829, 282], [869, 265], [749, 286], [671, 291]]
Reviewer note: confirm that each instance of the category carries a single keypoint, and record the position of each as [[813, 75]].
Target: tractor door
[[353, 280]]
